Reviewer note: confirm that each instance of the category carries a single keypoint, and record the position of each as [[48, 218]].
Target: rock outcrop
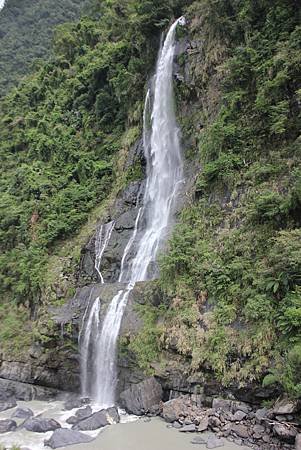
[[143, 397]]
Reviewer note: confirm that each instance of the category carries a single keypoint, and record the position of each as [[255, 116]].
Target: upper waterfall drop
[[161, 139]]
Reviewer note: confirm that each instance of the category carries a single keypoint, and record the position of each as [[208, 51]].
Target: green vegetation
[[64, 134], [233, 270], [26, 31], [230, 285]]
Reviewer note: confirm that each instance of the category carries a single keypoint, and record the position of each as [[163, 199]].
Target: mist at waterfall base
[[164, 166]]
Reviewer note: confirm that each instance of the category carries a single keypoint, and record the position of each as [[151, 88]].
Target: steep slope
[[226, 310], [26, 31], [231, 279]]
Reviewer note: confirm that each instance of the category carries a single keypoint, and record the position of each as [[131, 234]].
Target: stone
[[172, 409], [298, 442], [41, 425], [285, 432], [112, 415], [214, 442], [80, 414], [220, 403], [9, 403], [22, 413], [64, 437], [141, 397], [72, 404], [258, 431], [204, 424], [7, 425], [240, 430], [286, 406], [188, 428], [214, 422], [97, 420], [176, 425], [241, 406], [260, 414], [239, 416]]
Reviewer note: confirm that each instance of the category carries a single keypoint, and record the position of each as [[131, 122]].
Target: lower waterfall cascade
[[164, 166]]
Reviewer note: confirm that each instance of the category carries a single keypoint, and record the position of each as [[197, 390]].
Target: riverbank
[[132, 433]]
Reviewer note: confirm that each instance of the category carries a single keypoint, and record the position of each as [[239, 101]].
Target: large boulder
[[41, 425], [97, 420], [80, 414], [7, 425], [286, 406], [173, 409], [22, 413], [64, 437], [140, 398]]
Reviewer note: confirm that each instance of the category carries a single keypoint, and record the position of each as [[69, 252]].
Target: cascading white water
[[101, 242], [164, 176], [88, 338]]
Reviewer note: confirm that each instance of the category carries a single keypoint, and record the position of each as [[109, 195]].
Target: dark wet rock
[[203, 425], [240, 430], [97, 420], [21, 390], [80, 414], [214, 422], [141, 397], [188, 428], [285, 433], [9, 403], [64, 437], [72, 404], [41, 425], [214, 442], [22, 413], [7, 425]]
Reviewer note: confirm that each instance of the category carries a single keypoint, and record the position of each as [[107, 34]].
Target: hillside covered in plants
[[227, 304], [26, 32]]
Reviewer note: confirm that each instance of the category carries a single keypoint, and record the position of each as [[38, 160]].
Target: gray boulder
[[142, 397], [41, 425], [7, 425], [64, 437], [112, 415], [22, 413], [95, 421], [80, 414]]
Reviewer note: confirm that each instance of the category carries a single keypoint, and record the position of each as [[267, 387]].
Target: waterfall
[[161, 139], [101, 242]]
